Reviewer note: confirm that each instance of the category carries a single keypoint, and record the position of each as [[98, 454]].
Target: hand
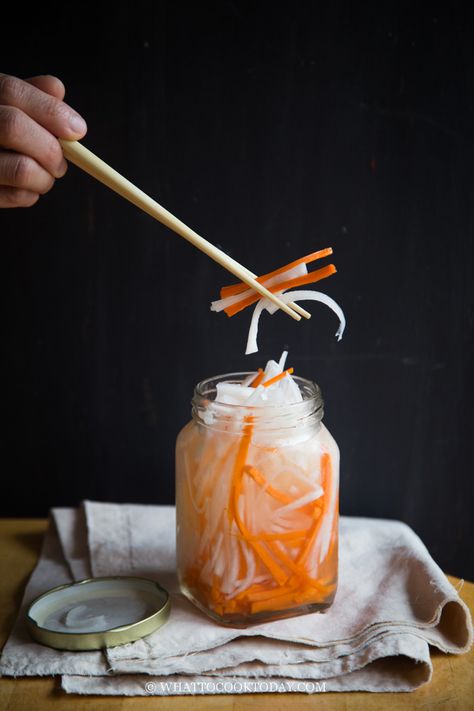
[[32, 118]]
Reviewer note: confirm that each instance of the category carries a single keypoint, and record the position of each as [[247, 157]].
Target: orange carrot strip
[[272, 593], [236, 486], [230, 606], [234, 289], [280, 576], [256, 587], [293, 598], [260, 479], [281, 602], [239, 464], [289, 563], [269, 593], [288, 537], [278, 377], [310, 278], [258, 378], [312, 595]]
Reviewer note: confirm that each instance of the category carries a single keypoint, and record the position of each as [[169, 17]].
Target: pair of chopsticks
[[92, 164]]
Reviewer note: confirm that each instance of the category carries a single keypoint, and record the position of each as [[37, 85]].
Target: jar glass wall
[[257, 507]]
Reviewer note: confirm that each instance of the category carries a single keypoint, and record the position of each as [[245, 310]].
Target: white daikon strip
[[308, 295], [250, 576], [302, 501], [229, 581], [303, 295], [272, 368], [252, 346], [256, 395], [282, 361], [208, 569], [246, 381], [233, 393], [219, 565], [187, 468], [325, 535], [217, 547], [290, 392]]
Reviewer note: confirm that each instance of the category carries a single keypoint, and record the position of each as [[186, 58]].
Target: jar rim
[[272, 416], [312, 389]]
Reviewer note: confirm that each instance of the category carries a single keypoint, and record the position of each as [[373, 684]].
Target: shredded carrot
[[281, 602], [234, 289], [310, 278], [262, 553], [258, 378], [269, 569], [287, 561], [278, 377], [287, 598], [260, 479], [269, 593], [287, 537]]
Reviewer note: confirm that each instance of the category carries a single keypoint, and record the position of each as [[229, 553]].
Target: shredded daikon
[[303, 295]]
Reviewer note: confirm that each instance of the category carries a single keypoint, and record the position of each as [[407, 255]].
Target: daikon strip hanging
[[304, 295]]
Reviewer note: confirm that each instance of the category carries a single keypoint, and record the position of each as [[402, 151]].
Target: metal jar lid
[[98, 612]]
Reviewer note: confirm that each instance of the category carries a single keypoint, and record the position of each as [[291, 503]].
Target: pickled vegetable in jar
[[257, 484]]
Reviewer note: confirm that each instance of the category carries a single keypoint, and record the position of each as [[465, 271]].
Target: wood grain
[[20, 540]]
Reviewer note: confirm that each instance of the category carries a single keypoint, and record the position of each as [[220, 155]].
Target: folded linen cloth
[[392, 602], [22, 656]]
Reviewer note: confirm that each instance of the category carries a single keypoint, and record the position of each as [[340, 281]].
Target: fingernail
[[77, 124], [62, 169]]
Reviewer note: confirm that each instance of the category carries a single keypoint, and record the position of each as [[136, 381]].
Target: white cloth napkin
[[392, 602]]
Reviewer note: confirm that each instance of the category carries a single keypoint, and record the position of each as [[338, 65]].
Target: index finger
[[54, 115]]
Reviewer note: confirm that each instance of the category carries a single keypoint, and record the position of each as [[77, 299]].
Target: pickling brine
[[257, 483]]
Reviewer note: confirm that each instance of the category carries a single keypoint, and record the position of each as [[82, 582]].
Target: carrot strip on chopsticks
[[309, 278], [234, 289]]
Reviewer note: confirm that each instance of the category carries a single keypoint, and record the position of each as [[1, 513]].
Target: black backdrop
[[273, 129]]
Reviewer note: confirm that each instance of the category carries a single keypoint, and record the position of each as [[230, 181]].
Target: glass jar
[[257, 491]]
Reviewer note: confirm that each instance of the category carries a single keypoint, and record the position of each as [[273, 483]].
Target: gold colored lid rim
[[112, 636]]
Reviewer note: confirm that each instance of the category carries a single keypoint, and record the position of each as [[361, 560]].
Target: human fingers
[[15, 197], [22, 172], [55, 116], [49, 84], [20, 133]]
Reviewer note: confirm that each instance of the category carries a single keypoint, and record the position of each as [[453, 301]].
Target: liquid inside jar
[[257, 504]]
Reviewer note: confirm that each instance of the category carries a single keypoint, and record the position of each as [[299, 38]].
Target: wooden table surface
[[452, 687]]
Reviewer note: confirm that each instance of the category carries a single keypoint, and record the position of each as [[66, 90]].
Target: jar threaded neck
[[286, 416]]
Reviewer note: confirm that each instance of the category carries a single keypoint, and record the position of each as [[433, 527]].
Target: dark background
[[273, 129]]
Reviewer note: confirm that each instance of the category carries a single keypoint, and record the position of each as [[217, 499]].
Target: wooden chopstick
[[92, 164]]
